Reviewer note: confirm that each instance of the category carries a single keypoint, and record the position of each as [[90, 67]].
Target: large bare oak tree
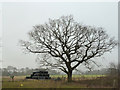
[[68, 43]]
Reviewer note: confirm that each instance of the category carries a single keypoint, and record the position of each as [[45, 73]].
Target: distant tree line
[[10, 70], [112, 69], [104, 71]]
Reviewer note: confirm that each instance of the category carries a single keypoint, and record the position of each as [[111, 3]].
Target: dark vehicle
[[39, 75]]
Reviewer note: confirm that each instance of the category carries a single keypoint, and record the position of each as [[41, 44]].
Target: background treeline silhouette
[[10, 70]]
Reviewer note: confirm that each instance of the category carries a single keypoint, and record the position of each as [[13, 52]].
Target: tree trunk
[[69, 76]]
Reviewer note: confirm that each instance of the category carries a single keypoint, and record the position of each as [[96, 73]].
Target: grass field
[[75, 76], [80, 81]]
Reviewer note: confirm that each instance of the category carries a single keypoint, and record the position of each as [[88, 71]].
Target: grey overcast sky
[[19, 19]]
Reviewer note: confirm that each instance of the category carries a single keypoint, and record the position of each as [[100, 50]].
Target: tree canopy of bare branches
[[68, 43]]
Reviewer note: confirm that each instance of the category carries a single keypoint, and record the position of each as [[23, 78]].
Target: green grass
[[75, 76], [18, 80], [37, 84]]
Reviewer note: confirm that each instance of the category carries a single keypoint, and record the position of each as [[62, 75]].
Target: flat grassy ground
[[77, 76], [80, 81], [21, 82]]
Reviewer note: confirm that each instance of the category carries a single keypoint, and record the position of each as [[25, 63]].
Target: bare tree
[[113, 69], [66, 44], [113, 65]]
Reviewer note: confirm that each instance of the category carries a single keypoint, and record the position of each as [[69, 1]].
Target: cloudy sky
[[19, 18]]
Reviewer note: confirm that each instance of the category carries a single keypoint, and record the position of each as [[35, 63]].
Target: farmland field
[[74, 76], [80, 81]]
